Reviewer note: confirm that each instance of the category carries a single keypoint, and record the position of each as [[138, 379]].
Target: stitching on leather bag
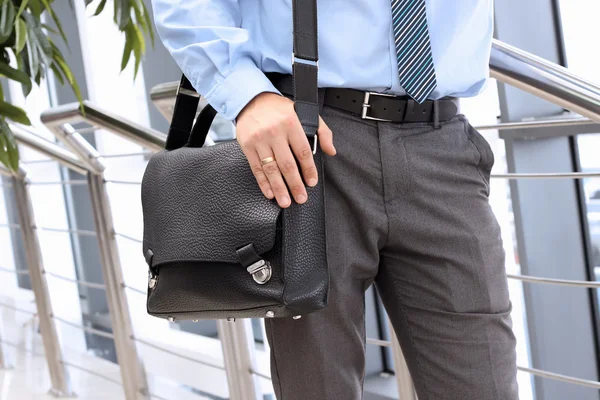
[[283, 254]]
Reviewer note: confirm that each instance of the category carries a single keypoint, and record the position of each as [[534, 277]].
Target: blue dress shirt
[[223, 46]]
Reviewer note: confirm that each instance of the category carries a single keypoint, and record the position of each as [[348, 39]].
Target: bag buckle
[[260, 271], [152, 280], [366, 105]]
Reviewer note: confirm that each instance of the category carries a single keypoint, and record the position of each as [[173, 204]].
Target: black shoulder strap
[[305, 59], [184, 112], [305, 65]]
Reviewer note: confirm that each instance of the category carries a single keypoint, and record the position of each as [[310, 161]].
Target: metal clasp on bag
[[260, 271], [366, 105], [152, 280]]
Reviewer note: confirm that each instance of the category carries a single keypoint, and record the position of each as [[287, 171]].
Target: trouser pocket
[[481, 145]]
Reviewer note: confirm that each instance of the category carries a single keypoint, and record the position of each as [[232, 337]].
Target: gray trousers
[[407, 209]]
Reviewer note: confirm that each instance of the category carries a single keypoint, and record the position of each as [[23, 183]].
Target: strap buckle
[[366, 105], [296, 59], [186, 92]]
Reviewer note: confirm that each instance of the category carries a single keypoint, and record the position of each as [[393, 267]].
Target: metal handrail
[[10, 226], [547, 175], [29, 138], [91, 285], [92, 114], [14, 271], [17, 309], [561, 377], [87, 329], [538, 123], [554, 281], [182, 356], [59, 376], [544, 79]]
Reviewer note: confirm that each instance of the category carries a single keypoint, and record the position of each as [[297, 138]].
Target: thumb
[[326, 138]]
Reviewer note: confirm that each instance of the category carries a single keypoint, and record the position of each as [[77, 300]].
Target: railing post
[[237, 341], [4, 363], [133, 374], [59, 375], [132, 369], [406, 388]]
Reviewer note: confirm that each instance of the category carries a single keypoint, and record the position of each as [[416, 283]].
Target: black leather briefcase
[[215, 246]]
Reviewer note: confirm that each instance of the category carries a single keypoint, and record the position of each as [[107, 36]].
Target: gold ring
[[267, 160]]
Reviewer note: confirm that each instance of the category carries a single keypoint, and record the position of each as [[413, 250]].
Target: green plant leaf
[[57, 73], [21, 8], [122, 13], [139, 17], [14, 113], [148, 22], [13, 74], [23, 65], [31, 54], [10, 146], [100, 7], [7, 19], [127, 49], [64, 68], [21, 31], [50, 29], [56, 21], [36, 8], [138, 48], [4, 150], [38, 38]]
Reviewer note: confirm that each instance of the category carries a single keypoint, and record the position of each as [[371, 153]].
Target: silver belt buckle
[[366, 105]]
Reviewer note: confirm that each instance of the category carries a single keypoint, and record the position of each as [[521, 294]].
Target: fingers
[[304, 155], [269, 127], [326, 138], [261, 178], [289, 168], [273, 174]]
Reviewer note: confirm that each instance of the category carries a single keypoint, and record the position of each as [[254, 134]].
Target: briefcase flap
[[201, 204]]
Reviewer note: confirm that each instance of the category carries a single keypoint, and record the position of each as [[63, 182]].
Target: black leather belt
[[377, 106]]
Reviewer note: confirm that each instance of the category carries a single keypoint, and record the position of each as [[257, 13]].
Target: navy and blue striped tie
[[415, 61]]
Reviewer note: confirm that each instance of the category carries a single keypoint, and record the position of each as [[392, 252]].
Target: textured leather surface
[[304, 253], [201, 204], [215, 290]]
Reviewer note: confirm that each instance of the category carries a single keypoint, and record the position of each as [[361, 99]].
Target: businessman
[[407, 180]]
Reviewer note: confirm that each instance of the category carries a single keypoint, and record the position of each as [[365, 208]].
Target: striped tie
[[415, 61]]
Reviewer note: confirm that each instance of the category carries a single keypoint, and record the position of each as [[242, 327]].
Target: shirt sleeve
[[206, 41]]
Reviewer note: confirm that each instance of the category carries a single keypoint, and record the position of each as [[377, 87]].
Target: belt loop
[[436, 114]]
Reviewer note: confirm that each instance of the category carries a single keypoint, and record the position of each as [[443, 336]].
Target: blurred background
[[59, 276]]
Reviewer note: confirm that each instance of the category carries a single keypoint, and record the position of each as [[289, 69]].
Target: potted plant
[[29, 51]]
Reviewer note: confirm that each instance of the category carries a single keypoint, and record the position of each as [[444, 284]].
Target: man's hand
[[269, 127]]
